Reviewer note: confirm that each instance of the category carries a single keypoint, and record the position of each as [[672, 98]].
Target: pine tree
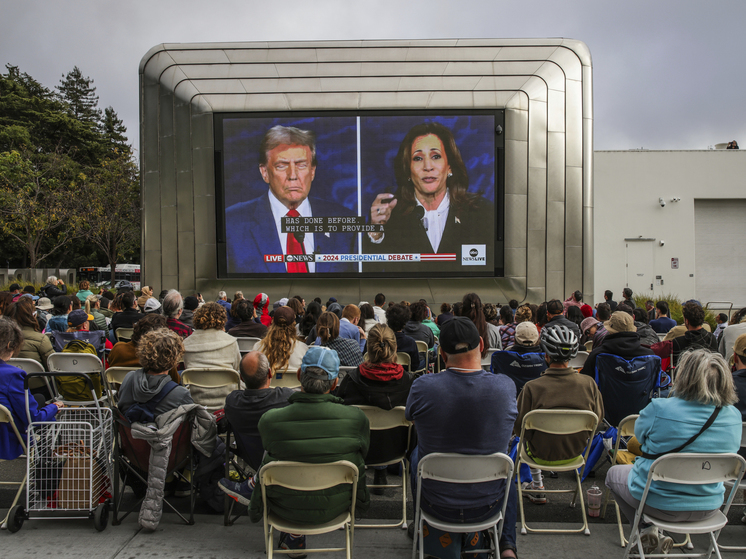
[[79, 94], [114, 132]]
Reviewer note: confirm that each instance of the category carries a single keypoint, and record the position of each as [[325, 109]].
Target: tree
[[37, 198], [112, 197], [113, 131], [79, 95]]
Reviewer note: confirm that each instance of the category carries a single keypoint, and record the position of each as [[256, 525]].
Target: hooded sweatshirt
[[419, 332], [138, 386], [261, 304]]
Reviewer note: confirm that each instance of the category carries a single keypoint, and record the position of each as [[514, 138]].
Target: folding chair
[[250, 450], [462, 468], [211, 379], [689, 469], [741, 487], [286, 379], [124, 334], [578, 361], [96, 338], [7, 417], [487, 359], [343, 370], [131, 460], [33, 366], [626, 386], [404, 360], [389, 422], [520, 368], [67, 388], [422, 348], [245, 345], [556, 422], [115, 377], [625, 430], [302, 476]]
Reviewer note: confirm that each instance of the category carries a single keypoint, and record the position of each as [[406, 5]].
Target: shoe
[[410, 530], [379, 478], [289, 542], [649, 539], [535, 498], [240, 492], [666, 544], [182, 489]]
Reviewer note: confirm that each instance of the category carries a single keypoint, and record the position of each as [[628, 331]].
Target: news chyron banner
[[366, 195]]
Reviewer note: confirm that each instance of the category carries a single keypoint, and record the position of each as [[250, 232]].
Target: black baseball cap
[[14, 287], [459, 330]]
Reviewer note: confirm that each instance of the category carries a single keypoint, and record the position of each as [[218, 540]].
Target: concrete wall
[[628, 186]]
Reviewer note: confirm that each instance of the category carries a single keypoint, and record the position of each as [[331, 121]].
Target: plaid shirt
[[348, 351], [179, 327]]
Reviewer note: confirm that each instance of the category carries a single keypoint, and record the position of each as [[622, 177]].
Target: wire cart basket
[[69, 466]]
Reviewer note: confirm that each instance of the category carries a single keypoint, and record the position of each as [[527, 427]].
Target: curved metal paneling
[[544, 85]]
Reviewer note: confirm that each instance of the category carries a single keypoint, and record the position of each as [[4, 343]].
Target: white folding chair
[[33, 366], [387, 420], [7, 417], [462, 468], [487, 359], [578, 361], [115, 376], [404, 360], [78, 363], [285, 379], [303, 476], [559, 423], [422, 348], [124, 334], [689, 469], [245, 345], [741, 487], [625, 429], [211, 379]]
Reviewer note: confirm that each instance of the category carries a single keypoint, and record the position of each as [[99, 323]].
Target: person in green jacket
[[315, 427]]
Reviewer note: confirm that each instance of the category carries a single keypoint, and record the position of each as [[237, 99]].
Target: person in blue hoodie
[[703, 386]]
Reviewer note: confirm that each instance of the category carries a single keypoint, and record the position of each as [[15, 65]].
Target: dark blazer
[[406, 234], [251, 233]]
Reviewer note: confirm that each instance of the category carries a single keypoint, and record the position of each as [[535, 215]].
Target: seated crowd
[[494, 364]]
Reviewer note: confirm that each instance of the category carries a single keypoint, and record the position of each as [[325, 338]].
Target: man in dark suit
[[254, 228]]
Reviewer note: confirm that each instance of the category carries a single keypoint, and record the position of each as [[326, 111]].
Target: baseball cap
[[620, 321], [30, 296], [284, 316], [739, 348], [77, 317], [526, 334], [191, 303], [14, 287], [322, 357], [459, 330], [152, 304]]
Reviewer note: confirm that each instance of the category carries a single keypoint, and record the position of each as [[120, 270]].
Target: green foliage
[[79, 96], [674, 306]]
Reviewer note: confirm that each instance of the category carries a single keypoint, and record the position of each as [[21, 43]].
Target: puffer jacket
[[35, 346], [648, 337], [204, 439], [314, 428]]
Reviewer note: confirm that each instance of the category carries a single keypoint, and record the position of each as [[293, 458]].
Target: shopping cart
[[69, 466]]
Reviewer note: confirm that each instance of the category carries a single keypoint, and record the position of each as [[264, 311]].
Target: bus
[[101, 276]]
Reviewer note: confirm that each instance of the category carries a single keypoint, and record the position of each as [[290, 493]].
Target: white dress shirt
[[278, 212]]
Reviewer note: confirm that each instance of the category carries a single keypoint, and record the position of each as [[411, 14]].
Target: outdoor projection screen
[[436, 174]]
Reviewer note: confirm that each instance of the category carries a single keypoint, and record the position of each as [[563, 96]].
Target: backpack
[[145, 412], [75, 388]]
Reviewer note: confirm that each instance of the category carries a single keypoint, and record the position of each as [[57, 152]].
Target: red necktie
[[294, 247]]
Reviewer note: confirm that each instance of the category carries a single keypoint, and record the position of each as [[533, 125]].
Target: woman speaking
[[432, 210]]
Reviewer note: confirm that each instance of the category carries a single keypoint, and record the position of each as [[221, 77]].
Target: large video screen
[[369, 194]]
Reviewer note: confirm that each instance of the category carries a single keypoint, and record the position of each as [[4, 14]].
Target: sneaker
[[290, 542], [240, 492], [379, 478], [649, 539], [535, 498], [666, 544]]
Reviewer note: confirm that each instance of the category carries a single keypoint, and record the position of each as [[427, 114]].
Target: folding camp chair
[[286, 378], [519, 367], [211, 379], [78, 363], [689, 469], [462, 468], [559, 423], [97, 338], [7, 417], [390, 422], [625, 430], [741, 487], [626, 386], [306, 477], [245, 345], [131, 460]]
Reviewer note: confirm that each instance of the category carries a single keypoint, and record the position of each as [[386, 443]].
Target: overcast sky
[[667, 74]]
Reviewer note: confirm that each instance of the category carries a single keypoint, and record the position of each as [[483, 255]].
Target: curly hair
[[397, 316], [84, 285], [278, 344], [694, 313], [148, 323], [210, 316], [445, 308], [419, 311], [490, 313], [327, 327], [381, 344], [523, 314], [159, 350]]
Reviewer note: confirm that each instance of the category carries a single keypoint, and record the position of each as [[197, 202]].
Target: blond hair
[[381, 344]]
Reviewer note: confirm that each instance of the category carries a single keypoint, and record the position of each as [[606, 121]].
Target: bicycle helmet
[[559, 342]]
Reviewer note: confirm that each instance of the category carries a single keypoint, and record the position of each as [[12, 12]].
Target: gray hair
[[222, 294], [173, 302], [704, 377], [11, 337], [286, 135], [312, 384], [52, 279], [238, 295], [255, 379]]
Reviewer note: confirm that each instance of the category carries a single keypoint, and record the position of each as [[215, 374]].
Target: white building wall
[[627, 189]]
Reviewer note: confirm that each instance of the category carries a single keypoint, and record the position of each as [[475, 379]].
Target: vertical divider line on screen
[[359, 194]]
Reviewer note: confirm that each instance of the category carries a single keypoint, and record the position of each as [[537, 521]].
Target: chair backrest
[[743, 435], [124, 334], [285, 379], [578, 361], [661, 337], [75, 388], [32, 366], [520, 368], [344, 370], [465, 468], [96, 338], [487, 359], [303, 476], [626, 385], [115, 375], [626, 426], [697, 468], [210, 377], [421, 346], [560, 422], [7, 417], [404, 360], [246, 345]]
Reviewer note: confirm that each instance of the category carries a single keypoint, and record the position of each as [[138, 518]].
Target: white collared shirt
[[436, 220], [278, 212]]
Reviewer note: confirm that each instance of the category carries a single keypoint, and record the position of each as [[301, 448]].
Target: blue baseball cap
[[322, 357]]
